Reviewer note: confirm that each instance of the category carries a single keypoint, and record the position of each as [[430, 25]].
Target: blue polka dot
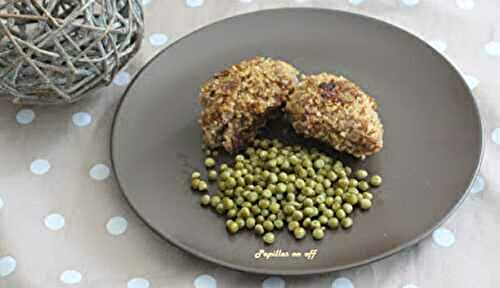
[[273, 282], [158, 39], [194, 3], [71, 277], [443, 237], [410, 3], [465, 4], [138, 283], [495, 136], [7, 266], [54, 222], [342, 282], [356, 2], [40, 167], [122, 78], [99, 172], [25, 116], [205, 281], [117, 225], [81, 119], [478, 185]]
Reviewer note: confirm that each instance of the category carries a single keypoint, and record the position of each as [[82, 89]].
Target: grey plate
[[433, 138]]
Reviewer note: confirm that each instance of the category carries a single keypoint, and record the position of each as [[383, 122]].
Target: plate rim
[[423, 235]]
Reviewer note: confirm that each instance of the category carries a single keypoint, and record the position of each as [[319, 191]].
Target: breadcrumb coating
[[336, 111]]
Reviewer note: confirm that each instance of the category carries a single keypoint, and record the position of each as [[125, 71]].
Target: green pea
[[273, 178], [195, 183], [278, 224], [327, 183], [323, 219], [249, 178], [343, 182], [259, 229], [301, 172], [353, 182], [241, 222], [268, 238], [311, 172], [223, 167], [232, 227], [260, 219], [351, 198], [339, 191], [330, 191], [250, 223], [281, 187], [253, 197], [308, 191], [376, 180], [265, 212], [319, 163], [348, 170], [308, 202], [209, 162], [365, 204], [347, 208], [346, 222], [214, 200], [297, 215], [318, 234], [239, 200], [352, 190], [205, 200], [307, 223], [299, 183], [315, 224], [292, 225], [294, 160], [274, 207], [255, 209], [363, 185], [299, 233], [320, 198], [361, 174], [267, 193], [230, 183], [367, 195], [333, 223], [220, 208], [331, 175], [268, 225], [196, 175], [308, 211], [228, 203], [244, 213], [231, 213], [328, 213], [340, 214], [264, 203]]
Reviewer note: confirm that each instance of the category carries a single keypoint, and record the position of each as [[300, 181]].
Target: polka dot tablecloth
[[65, 223]]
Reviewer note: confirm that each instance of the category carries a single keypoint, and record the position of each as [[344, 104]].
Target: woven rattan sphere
[[57, 51]]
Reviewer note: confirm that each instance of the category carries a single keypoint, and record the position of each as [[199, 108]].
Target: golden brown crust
[[237, 101], [336, 111]]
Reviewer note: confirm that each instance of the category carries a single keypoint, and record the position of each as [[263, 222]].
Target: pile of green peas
[[271, 187]]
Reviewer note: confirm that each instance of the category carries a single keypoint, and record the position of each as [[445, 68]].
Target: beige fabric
[[106, 260]]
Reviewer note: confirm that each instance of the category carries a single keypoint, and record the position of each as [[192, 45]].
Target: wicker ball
[[57, 51]]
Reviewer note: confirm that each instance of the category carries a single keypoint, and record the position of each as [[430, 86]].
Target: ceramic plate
[[433, 136]]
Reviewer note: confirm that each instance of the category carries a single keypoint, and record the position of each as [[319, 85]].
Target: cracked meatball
[[336, 111], [237, 101]]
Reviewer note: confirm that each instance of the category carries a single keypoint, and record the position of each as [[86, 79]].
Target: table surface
[[65, 223]]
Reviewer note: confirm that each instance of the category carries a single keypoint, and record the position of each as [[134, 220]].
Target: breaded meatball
[[336, 111], [237, 101]]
